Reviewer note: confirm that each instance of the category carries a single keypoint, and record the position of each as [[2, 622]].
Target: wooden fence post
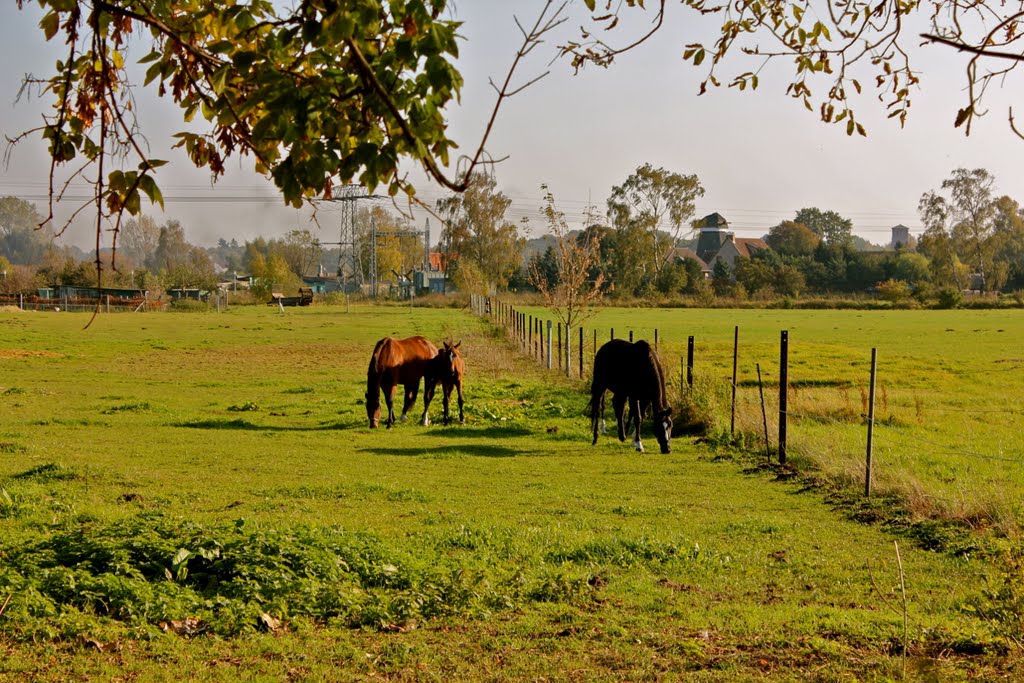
[[871, 424], [689, 362], [549, 344], [631, 336], [559, 345], [655, 338], [581, 351], [764, 414], [783, 393], [568, 352]]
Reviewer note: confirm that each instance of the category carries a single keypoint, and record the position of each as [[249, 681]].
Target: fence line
[[508, 318]]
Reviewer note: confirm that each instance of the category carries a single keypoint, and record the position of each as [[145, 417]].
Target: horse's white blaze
[[637, 444]]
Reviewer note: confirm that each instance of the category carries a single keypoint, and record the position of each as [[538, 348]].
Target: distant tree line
[[973, 239]]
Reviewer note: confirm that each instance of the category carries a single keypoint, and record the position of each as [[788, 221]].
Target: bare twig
[[6, 602], [963, 47]]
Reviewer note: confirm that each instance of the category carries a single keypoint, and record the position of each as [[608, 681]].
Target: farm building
[[680, 254], [323, 284], [715, 243], [73, 292], [429, 281]]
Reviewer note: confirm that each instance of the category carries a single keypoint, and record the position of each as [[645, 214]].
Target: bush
[[950, 297]]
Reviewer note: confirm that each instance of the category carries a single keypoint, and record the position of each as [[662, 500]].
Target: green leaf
[[148, 185], [50, 24]]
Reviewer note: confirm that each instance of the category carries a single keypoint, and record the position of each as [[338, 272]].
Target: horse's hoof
[[424, 422], [402, 419], [638, 446]]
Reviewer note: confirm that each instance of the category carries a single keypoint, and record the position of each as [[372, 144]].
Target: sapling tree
[[576, 291]]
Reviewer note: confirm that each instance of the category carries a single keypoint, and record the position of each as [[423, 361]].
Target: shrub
[[188, 306], [950, 297]]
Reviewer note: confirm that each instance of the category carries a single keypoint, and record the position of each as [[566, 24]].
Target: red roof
[[746, 246]]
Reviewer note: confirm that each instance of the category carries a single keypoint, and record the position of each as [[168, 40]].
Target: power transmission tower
[[349, 269]]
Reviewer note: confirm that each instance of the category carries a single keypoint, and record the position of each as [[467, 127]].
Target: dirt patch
[[25, 353]]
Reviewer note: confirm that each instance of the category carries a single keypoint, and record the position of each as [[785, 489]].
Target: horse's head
[[373, 408], [663, 429], [448, 356]]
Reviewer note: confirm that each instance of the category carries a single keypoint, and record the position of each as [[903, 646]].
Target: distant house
[[323, 284], [715, 243], [74, 292], [192, 293], [680, 254]]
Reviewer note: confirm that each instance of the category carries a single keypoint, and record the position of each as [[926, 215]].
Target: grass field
[[198, 497]]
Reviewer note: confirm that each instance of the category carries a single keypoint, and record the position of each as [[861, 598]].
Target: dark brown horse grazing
[[447, 368], [632, 372], [394, 362]]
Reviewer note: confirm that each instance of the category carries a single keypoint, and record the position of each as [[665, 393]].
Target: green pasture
[[949, 409], [197, 496]]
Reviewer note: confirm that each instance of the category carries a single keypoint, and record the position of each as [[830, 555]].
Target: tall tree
[[399, 246], [476, 230], [832, 228], [965, 218], [1008, 226], [22, 241], [139, 238], [654, 203], [301, 250], [790, 238], [172, 249]]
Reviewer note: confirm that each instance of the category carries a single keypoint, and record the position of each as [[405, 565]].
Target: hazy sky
[[760, 156]]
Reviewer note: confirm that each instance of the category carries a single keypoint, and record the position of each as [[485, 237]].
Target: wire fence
[[571, 351], [108, 304]]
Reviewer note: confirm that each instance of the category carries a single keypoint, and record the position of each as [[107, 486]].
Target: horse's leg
[[389, 399], [409, 399], [428, 396], [596, 410], [604, 425], [458, 387], [636, 416], [446, 395], [619, 404]]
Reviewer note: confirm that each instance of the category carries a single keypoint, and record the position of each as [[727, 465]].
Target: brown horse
[[447, 368], [394, 362], [632, 372]]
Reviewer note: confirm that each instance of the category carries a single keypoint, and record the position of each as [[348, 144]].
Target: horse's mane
[[373, 372], [648, 352]]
